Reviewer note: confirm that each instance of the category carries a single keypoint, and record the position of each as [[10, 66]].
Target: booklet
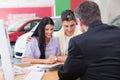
[[35, 75], [43, 67]]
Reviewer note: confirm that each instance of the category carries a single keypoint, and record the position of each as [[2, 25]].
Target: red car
[[21, 27]]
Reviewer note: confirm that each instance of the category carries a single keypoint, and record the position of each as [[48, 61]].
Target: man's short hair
[[68, 15], [88, 12]]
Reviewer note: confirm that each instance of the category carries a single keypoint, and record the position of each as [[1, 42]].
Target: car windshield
[[57, 23], [15, 26], [33, 29]]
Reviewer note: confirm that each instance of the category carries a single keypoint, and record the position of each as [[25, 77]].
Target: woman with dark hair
[[43, 47], [69, 29]]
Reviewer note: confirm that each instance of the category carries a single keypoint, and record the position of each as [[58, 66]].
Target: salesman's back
[[101, 49], [95, 54]]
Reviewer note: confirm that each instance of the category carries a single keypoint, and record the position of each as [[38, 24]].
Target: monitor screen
[[5, 51]]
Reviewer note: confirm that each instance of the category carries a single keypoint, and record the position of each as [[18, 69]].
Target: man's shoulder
[[58, 33], [82, 35]]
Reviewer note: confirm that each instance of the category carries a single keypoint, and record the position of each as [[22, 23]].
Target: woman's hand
[[50, 60]]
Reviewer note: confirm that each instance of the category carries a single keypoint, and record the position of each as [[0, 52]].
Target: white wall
[[115, 8], [26, 3], [109, 9]]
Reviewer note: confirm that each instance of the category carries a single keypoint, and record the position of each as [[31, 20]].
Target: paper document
[[35, 75], [43, 67]]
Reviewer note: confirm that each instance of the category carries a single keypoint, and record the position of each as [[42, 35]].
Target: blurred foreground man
[[95, 54]]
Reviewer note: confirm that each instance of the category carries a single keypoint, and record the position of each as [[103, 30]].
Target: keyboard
[[18, 70], [35, 75]]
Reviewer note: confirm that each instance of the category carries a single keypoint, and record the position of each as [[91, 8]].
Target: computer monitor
[[5, 51]]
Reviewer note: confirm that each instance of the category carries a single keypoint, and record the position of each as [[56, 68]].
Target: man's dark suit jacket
[[93, 55]]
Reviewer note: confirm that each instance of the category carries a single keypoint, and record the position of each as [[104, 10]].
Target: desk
[[49, 75]]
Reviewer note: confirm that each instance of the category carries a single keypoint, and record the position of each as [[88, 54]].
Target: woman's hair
[[40, 33]]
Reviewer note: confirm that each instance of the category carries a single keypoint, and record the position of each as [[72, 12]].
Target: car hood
[[10, 32], [21, 42]]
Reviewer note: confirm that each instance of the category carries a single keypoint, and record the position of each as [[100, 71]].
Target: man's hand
[[28, 39]]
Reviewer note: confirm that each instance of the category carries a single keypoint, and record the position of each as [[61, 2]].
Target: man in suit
[[95, 54]]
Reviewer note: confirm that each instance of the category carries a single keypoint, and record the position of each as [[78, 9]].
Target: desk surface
[[49, 75]]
